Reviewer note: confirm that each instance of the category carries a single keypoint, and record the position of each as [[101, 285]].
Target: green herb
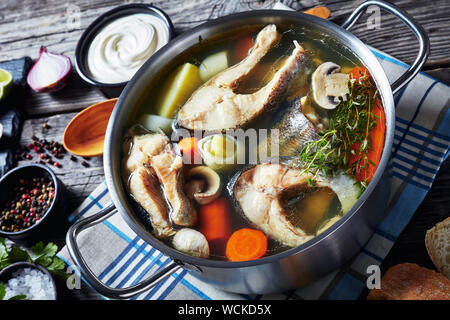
[[44, 256], [12, 255], [3, 293], [350, 126], [319, 156]]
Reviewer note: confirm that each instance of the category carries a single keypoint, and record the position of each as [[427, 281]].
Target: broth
[[308, 207]]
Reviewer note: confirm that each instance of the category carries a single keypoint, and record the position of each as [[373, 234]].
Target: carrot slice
[[246, 244], [215, 220], [189, 149], [358, 72], [365, 169], [321, 12], [242, 47]]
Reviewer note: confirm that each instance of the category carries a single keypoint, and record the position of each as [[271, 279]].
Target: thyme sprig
[[348, 135]]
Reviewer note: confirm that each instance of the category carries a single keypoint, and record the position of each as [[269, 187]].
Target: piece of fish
[[156, 152], [293, 131], [216, 105], [259, 192], [146, 190]]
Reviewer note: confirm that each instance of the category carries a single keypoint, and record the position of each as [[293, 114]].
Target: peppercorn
[[23, 209]]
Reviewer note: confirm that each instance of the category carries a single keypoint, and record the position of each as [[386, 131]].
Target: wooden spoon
[[85, 134]]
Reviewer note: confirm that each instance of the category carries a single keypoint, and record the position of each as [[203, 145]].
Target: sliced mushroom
[[192, 242], [329, 85], [203, 185]]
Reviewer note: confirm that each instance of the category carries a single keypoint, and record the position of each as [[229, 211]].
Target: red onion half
[[50, 72]]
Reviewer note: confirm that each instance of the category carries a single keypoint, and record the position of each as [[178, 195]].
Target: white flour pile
[[32, 283]]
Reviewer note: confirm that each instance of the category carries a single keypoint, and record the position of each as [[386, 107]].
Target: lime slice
[[6, 82]]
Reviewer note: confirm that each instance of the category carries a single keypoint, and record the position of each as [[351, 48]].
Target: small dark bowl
[[111, 90], [6, 273], [55, 213]]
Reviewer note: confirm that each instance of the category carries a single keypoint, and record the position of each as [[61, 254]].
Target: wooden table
[[28, 24]]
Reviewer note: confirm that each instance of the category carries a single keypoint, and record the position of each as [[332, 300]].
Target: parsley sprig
[[44, 255]]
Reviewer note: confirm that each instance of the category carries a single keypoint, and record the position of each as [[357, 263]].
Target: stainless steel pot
[[289, 269]]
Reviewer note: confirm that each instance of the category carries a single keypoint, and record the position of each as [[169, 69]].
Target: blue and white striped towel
[[422, 140]]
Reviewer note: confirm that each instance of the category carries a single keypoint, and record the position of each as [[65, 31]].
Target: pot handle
[[416, 28], [91, 278]]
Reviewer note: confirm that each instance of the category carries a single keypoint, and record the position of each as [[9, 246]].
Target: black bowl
[[54, 215], [6, 273], [111, 90]]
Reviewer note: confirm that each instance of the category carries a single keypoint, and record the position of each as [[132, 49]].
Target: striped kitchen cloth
[[422, 139]]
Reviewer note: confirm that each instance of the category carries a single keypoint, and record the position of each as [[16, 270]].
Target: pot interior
[[191, 46]]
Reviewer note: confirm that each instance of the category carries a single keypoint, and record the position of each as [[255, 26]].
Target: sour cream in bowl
[[118, 43], [122, 47]]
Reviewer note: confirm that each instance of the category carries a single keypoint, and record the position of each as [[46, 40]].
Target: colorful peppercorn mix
[[27, 204]]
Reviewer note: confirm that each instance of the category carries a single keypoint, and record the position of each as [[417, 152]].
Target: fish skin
[[295, 130]]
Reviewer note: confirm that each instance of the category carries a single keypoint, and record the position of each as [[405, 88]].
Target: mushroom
[[328, 85], [203, 185], [192, 242]]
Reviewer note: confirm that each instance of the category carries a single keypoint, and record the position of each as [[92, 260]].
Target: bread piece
[[437, 241], [408, 281]]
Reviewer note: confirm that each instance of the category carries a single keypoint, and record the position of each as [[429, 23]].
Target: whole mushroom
[[329, 85], [192, 242]]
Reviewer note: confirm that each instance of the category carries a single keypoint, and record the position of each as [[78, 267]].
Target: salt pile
[[32, 283]]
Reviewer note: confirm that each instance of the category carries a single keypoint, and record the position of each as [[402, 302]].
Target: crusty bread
[[408, 281], [437, 241]]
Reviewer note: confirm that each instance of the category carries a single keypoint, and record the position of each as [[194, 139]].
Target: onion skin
[[62, 67]]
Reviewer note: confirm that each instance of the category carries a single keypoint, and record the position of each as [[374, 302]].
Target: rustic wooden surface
[[28, 24]]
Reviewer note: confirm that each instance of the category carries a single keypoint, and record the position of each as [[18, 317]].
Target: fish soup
[[250, 144]]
